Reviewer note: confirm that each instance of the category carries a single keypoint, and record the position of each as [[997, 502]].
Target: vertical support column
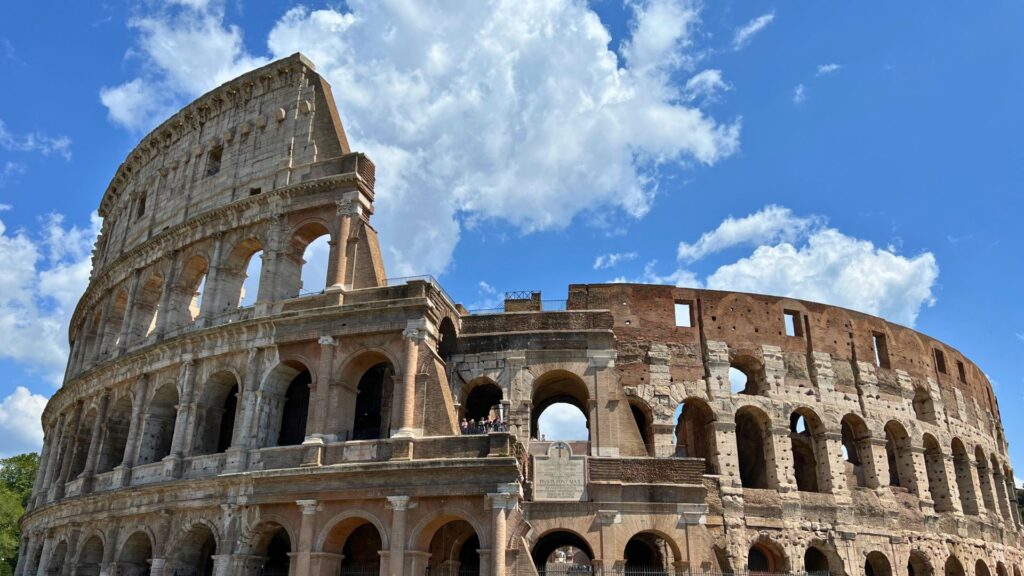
[[413, 334], [604, 424], [95, 440], [44, 558], [917, 480], [499, 502], [131, 447], [237, 457], [101, 329], [400, 506], [1011, 492], [606, 563], [58, 448], [129, 312], [44, 461], [782, 458], [211, 289], [27, 550], [163, 309], [879, 462], [338, 265], [1002, 504], [324, 376], [949, 469], [305, 543], [187, 374], [69, 452], [836, 465]]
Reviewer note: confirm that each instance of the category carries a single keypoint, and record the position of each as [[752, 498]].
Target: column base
[[405, 433], [172, 466], [314, 449], [235, 460]]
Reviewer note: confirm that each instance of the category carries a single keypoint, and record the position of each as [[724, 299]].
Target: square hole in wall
[[793, 324], [684, 314]]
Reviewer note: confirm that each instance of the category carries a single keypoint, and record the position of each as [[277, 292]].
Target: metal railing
[[570, 569], [425, 278], [360, 570], [453, 570]]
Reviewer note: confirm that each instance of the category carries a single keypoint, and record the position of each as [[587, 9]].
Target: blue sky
[[865, 155]]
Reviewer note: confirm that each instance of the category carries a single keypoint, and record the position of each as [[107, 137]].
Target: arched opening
[[1001, 569], [119, 420], [964, 479], [924, 408], [985, 479], [147, 305], [454, 550], [371, 412], [648, 554], [114, 322], [897, 452], [136, 555], [642, 417], [448, 342], [815, 561], [187, 296], [58, 557], [482, 403], [243, 276], [953, 567], [90, 557], [753, 448], [810, 453], [359, 542], [275, 546], [194, 553], [746, 376], [695, 432], [306, 271], [158, 431], [559, 412], [918, 564], [296, 411], [999, 482], [764, 558], [216, 415], [935, 470], [876, 564], [562, 552], [83, 439], [981, 569], [856, 439]]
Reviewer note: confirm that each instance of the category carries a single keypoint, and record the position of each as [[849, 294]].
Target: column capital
[[327, 341], [400, 503], [347, 207], [501, 501], [609, 517], [309, 507], [414, 333]]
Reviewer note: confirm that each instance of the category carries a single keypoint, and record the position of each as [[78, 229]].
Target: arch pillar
[[96, 438], [338, 265], [129, 312], [836, 466], [725, 446], [500, 504], [131, 447], [305, 544], [185, 405], [415, 333], [400, 506], [782, 456], [951, 484], [325, 563]]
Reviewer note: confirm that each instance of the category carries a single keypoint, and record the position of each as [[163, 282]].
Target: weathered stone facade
[[319, 433]]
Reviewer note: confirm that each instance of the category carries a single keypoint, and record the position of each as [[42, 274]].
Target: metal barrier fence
[[568, 569]]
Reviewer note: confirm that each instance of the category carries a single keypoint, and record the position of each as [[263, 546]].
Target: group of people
[[482, 426]]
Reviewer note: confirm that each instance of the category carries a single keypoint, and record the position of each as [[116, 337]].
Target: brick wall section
[[688, 471]]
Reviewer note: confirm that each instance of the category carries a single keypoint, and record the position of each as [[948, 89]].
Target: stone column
[[1000, 494], [95, 440], [131, 447], [499, 536], [919, 479], [305, 543], [101, 330], [607, 545], [187, 374], [400, 506], [28, 544], [781, 448], [879, 463], [322, 393], [725, 449], [211, 288], [69, 453], [163, 309], [44, 558], [56, 451], [129, 312], [338, 265], [952, 485], [44, 459], [242, 435], [837, 465], [413, 334]]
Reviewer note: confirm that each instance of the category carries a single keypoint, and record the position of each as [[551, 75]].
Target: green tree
[[17, 474]]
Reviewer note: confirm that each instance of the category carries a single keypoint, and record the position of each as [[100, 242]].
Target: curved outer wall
[[320, 425]]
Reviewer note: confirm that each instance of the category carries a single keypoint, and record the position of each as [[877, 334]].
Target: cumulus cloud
[[771, 224], [10, 171], [35, 142], [745, 33], [612, 260], [517, 112], [20, 414], [799, 94], [825, 69], [706, 85], [44, 274], [563, 422]]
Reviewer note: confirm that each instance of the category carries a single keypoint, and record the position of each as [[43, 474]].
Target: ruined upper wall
[[645, 314], [249, 136]]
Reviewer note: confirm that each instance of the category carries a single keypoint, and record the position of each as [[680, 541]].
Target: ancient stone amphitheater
[[318, 430]]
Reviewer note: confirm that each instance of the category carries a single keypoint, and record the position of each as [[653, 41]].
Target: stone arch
[[877, 564], [286, 390], [453, 549], [90, 556], [1002, 506], [272, 542], [136, 553], [695, 433], [218, 404], [158, 428], [59, 555], [558, 387], [821, 556], [924, 406], [918, 564], [448, 339], [119, 420], [810, 451], [754, 449], [234, 274], [480, 399], [985, 479], [953, 567], [898, 452], [935, 471], [856, 441], [114, 322], [964, 479], [644, 553], [337, 529], [1001, 569], [364, 403], [146, 308], [187, 293], [291, 267], [981, 568], [765, 555], [424, 530], [753, 371], [643, 417], [548, 543], [83, 440], [194, 550]]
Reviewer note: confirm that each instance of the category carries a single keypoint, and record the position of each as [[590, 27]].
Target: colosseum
[[319, 429]]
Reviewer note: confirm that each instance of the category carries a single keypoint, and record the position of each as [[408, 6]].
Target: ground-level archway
[[562, 552], [454, 550]]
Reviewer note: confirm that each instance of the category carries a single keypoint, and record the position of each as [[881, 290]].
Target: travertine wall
[[318, 430]]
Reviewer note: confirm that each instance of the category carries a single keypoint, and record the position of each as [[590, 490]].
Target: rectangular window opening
[[213, 161], [940, 361], [254, 191], [684, 315], [881, 350], [793, 325], [140, 211], [960, 371]]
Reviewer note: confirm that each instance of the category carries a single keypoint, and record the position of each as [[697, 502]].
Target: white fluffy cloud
[[35, 142], [799, 94], [506, 110], [20, 413], [706, 85], [801, 257], [825, 69], [44, 275], [563, 422], [745, 33], [612, 260]]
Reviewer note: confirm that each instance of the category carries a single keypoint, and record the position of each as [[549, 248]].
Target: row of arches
[[204, 281]]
